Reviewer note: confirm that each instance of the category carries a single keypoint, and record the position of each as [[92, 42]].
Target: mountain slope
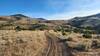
[[91, 21], [23, 16], [16, 18]]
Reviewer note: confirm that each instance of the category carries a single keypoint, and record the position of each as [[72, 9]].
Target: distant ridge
[[19, 17], [92, 21]]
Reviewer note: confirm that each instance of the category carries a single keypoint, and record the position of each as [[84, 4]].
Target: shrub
[[87, 35], [76, 30], [63, 33], [38, 27], [94, 44], [98, 46], [54, 30], [18, 28], [69, 39], [57, 28], [87, 32], [88, 28], [80, 47], [68, 30]]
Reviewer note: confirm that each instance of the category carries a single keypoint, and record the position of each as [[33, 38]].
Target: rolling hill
[[92, 21]]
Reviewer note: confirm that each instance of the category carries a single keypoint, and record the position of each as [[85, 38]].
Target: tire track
[[50, 48], [56, 48]]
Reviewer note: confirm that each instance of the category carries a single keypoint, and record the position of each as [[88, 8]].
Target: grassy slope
[[22, 43]]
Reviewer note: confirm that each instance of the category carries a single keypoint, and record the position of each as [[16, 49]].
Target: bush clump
[[38, 27], [18, 28], [69, 39], [80, 47], [94, 44], [87, 35]]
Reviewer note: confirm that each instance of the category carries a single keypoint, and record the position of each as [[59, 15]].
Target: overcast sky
[[50, 9]]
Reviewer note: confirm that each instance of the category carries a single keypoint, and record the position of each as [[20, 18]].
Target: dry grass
[[32, 43], [22, 43], [78, 39]]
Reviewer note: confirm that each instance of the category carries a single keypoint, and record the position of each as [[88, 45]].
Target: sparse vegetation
[[21, 43], [18, 28], [77, 30], [69, 39], [94, 44], [80, 47], [57, 28], [38, 27], [87, 36], [20, 37]]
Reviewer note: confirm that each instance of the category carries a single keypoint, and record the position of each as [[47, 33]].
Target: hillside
[[24, 22], [22, 43], [23, 16], [92, 21], [21, 35], [12, 21]]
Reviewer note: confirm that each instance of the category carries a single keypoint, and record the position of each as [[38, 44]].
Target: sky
[[50, 9]]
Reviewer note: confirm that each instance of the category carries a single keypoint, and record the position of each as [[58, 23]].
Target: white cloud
[[66, 16], [56, 3], [73, 8]]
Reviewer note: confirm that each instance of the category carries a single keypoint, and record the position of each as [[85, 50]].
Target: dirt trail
[[55, 47]]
